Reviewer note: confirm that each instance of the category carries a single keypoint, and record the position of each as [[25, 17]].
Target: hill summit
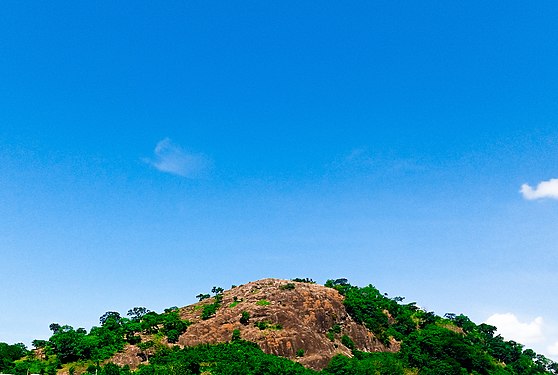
[[285, 317], [301, 321], [279, 327]]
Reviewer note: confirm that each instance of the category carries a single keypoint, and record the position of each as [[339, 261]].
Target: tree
[[37, 344], [54, 327], [67, 344], [111, 320], [137, 313]]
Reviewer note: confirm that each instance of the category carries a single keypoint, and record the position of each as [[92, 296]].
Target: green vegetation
[[235, 335], [244, 317], [237, 357], [288, 286], [335, 329], [235, 302], [303, 280], [209, 310], [348, 342], [429, 345], [367, 363], [264, 324], [263, 302], [69, 345], [9, 354]]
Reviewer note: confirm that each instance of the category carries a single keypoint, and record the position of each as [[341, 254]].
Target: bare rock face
[[293, 322]]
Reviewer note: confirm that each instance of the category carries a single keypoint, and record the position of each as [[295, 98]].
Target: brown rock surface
[[306, 313], [299, 319]]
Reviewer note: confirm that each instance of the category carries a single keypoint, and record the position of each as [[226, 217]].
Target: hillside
[[274, 326], [304, 312]]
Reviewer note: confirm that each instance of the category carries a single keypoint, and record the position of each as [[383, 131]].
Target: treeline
[[429, 345], [68, 345], [449, 345]]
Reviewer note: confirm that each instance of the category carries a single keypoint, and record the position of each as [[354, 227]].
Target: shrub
[[264, 324], [288, 286], [348, 342], [336, 328], [235, 335], [209, 311], [244, 317], [304, 280]]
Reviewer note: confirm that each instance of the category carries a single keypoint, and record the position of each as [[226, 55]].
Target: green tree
[[137, 313]]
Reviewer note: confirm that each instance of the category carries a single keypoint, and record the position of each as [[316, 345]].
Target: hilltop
[[285, 317], [274, 326]]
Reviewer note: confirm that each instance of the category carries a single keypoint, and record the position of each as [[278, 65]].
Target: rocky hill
[[279, 327], [297, 320]]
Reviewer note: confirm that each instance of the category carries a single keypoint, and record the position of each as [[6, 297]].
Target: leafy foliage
[[304, 280], [365, 364], [238, 357], [244, 317], [210, 310], [9, 354], [287, 286], [429, 344], [264, 324]]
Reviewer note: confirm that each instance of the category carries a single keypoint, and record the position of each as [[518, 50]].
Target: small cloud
[[545, 189], [509, 326], [173, 159]]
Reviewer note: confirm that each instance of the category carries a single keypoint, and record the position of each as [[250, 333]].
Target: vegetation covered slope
[[333, 329]]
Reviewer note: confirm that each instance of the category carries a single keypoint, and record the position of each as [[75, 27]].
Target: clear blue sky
[[149, 152]]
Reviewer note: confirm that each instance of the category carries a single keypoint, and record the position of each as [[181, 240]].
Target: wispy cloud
[[171, 158], [361, 160], [545, 189], [511, 328]]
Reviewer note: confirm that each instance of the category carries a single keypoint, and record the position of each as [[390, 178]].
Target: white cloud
[[509, 326], [171, 158], [545, 189]]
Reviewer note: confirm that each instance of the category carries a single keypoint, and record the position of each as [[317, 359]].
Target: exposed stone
[[305, 313]]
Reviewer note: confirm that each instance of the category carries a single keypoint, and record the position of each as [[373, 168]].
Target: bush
[[245, 317], [209, 310], [235, 335], [288, 286], [348, 342], [268, 325]]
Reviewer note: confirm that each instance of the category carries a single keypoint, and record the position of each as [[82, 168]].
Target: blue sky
[[149, 152]]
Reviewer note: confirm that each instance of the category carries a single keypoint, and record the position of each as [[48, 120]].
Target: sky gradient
[[149, 152]]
